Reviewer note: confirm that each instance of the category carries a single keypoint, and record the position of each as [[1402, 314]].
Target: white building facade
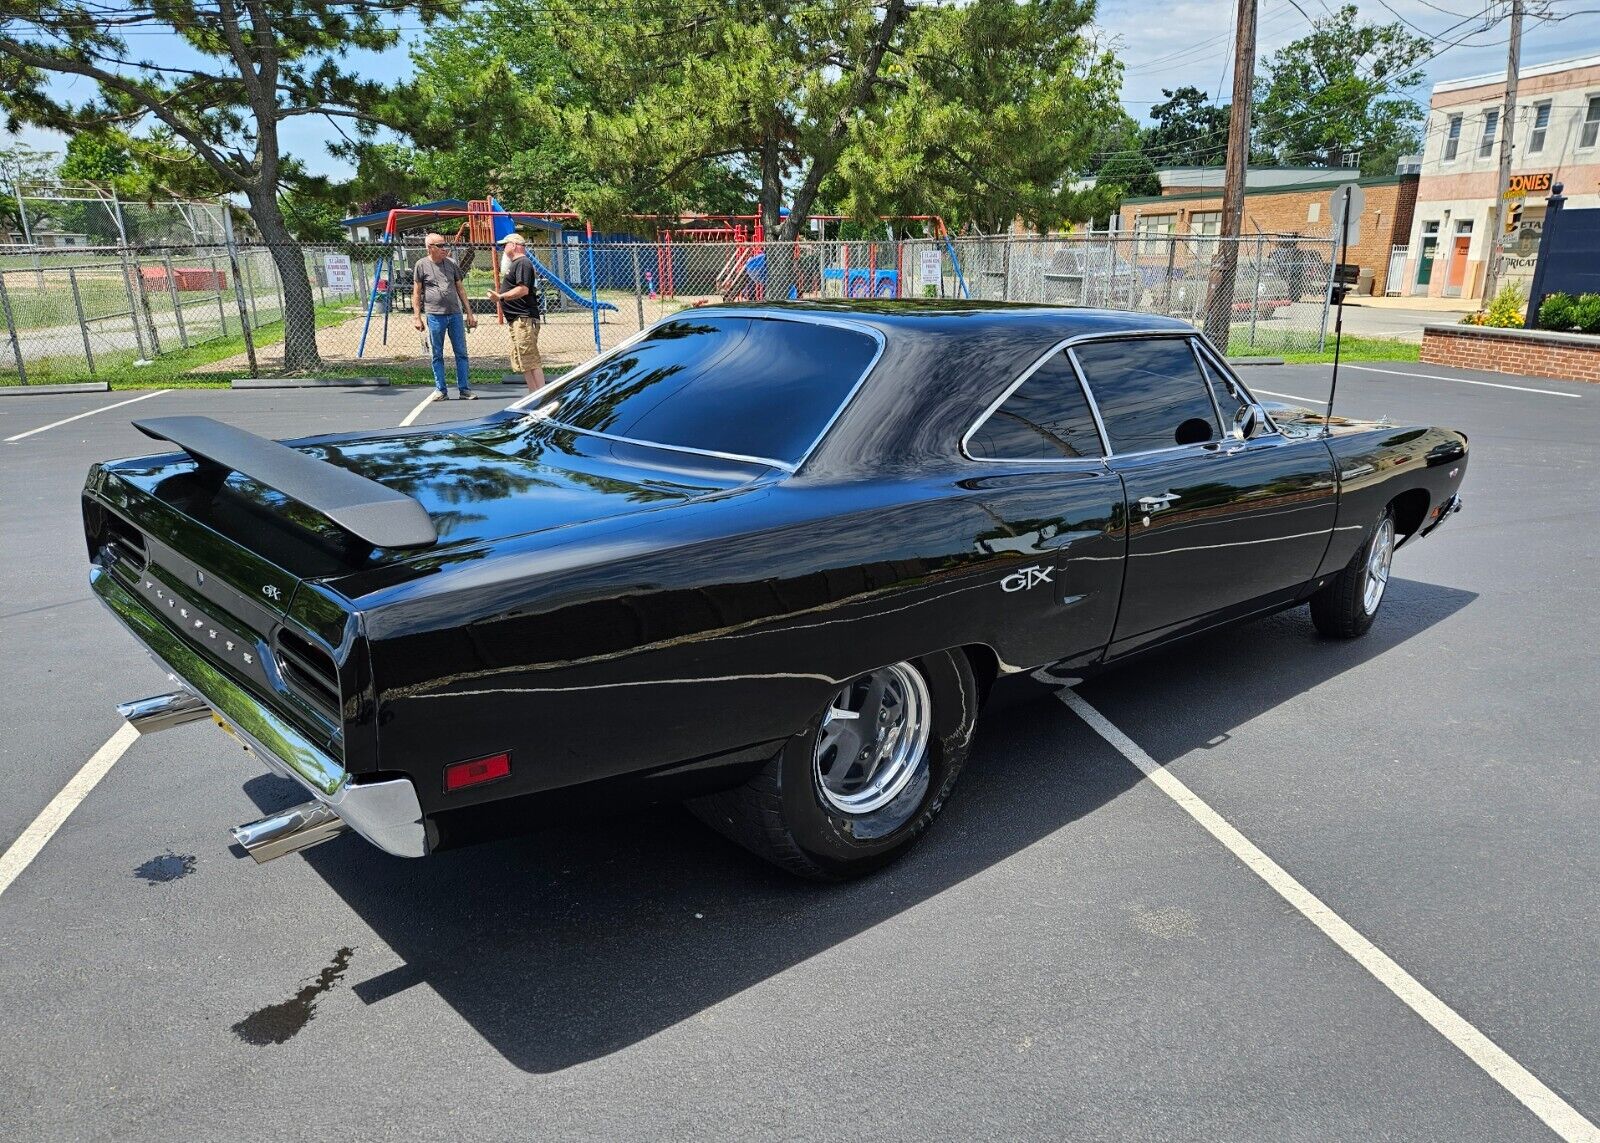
[[1555, 138]]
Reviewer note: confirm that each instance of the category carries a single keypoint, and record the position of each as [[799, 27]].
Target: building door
[[1456, 276], [1430, 250]]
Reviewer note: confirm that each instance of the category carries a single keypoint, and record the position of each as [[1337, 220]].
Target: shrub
[[1555, 312], [1586, 313]]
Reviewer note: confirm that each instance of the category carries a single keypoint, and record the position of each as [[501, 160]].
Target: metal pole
[[1508, 116], [222, 310], [238, 293], [1338, 321], [638, 286], [594, 293], [83, 326], [1255, 304], [133, 304], [1327, 300], [177, 306], [144, 306], [1172, 256], [11, 331], [1005, 265]]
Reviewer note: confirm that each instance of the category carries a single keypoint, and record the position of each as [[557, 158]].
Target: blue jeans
[[456, 326]]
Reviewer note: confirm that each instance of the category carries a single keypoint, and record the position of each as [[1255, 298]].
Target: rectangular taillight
[[476, 771]]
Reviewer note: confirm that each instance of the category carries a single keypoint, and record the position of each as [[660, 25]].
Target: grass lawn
[[1294, 352], [169, 371]]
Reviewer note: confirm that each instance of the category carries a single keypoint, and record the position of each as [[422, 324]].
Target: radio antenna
[[1339, 289]]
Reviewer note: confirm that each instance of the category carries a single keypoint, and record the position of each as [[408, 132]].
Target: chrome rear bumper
[[386, 813]]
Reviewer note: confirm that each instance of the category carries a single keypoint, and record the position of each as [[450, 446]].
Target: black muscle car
[[768, 559]]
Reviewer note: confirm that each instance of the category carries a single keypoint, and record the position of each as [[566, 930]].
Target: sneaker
[[469, 395], [439, 396]]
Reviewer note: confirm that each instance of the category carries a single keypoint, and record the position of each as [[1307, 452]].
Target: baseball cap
[[513, 237]]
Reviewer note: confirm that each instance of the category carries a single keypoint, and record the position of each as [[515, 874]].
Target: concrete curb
[[42, 390], [307, 382], [1255, 361]]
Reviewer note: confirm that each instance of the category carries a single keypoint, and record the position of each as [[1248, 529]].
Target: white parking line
[[1560, 1116], [1293, 397], [90, 413], [1463, 381], [50, 819], [417, 412]]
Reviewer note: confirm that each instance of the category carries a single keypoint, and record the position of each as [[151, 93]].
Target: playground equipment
[[483, 224], [743, 274]]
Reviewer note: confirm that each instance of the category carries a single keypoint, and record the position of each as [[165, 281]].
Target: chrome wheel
[[873, 739], [1379, 556]]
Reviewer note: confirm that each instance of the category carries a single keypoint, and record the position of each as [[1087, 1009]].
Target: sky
[[1162, 44]]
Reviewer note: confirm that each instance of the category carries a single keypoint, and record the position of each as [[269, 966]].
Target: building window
[[1452, 139], [1152, 229], [1591, 123], [1491, 125], [1541, 124], [1314, 212], [1207, 223], [1350, 158]]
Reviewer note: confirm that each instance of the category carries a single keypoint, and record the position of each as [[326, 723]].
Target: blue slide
[[566, 289], [504, 226]]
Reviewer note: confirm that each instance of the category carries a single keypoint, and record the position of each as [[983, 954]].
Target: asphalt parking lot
[[1068, 954]]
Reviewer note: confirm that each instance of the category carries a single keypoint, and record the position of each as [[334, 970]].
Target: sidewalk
[[1442, 305]]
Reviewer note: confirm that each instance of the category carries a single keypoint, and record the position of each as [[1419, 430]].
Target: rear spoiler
[[362, 507]]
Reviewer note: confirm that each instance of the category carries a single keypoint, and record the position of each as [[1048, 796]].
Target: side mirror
[[1248, 421]]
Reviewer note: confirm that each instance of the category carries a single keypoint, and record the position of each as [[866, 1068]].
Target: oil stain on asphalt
[[168, 866], [276, 1023]]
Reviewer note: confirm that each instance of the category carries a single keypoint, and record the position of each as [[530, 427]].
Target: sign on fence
[[930, 269], [341, 278]]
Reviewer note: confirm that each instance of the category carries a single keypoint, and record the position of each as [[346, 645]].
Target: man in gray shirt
[[439, 298]]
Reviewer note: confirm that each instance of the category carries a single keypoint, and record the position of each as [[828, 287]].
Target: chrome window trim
[[1061, 346], [1211, 359], [1211, 390], [547, 391]]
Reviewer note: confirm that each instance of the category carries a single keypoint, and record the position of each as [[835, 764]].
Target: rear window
[[753, 387]]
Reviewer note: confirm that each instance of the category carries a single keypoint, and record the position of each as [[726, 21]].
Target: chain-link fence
[[218, 312]]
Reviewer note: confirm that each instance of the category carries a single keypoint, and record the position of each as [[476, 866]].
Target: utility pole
[[1508, 123], [1225, 265]]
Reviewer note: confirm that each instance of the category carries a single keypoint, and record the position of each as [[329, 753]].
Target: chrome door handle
[[1157, 503]]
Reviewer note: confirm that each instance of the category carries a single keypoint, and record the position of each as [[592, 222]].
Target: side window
[[1047, 418], [1150, 393]]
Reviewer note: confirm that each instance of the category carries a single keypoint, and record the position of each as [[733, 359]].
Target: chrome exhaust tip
[[163, 712], [299, 827]]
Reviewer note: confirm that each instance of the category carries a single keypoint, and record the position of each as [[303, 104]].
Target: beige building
[[1555, 138]]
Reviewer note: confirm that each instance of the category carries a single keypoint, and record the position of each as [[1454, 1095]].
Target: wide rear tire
[[1346, 607], [866, 777]]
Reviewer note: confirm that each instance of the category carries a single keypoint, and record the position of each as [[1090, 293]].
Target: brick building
[[1555, 137], [1288, 209]]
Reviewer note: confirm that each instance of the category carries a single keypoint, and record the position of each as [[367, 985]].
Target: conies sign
[[1524, 185]]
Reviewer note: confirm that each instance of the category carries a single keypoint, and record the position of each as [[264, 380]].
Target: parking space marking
[[1557, 1114], [1464, 381], [417, 412], [1293, 397], [90, 413], [50, 819]]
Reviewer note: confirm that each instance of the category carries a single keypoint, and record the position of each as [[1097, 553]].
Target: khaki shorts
[[524, 344]]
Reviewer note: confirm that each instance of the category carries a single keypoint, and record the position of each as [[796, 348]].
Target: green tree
[[992, 107], [1187, 130], [1340, 89], [248, 67], [492, 114], [769, 87], [1133, 174]]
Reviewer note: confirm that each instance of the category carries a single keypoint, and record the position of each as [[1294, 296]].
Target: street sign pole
[[1346, 196]]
